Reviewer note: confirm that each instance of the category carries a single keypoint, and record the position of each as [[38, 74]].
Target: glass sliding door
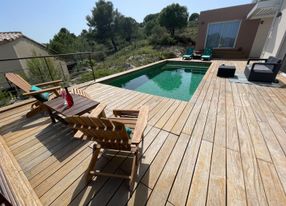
[[222, 34]]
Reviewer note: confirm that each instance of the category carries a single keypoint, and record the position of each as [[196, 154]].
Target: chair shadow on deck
[[24, 123], [58, 139], [102, 190]]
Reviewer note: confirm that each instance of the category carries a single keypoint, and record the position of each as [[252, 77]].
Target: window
[[222, 35]]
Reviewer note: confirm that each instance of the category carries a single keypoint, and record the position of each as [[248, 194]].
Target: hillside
[[138, 54]]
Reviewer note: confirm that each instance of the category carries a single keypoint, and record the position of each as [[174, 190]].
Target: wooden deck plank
[[48, 139], [225, 146], [140, 196], [152, 174], [49, 182], [178, 127], [220, 129], [259, 145], [212, 116], [231, 128], [273, 189], [253, 183], [274, 124], [166, 116], [160, 111], [198, 191], [162, 188], [217, 179], [39, 173], [277, 154], [235, 180]]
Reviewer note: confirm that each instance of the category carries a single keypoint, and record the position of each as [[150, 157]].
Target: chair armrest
[[49, 83], [255, 59], [52, 89], [123, 120], [98, 111], [125, 113], [270, 64], [260, 63], [140, 125]]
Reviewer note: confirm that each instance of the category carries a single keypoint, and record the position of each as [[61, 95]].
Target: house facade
[[275, 43], [243, 31], [16, 45]]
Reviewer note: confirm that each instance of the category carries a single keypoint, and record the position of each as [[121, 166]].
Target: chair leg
[[96, 151], [135, 164]]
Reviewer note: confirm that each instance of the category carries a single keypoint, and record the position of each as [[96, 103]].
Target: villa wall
[[260, 37], [275, 44], [247, 31], [23, 47], [7, 52]]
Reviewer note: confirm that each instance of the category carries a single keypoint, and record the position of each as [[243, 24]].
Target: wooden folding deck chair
[[18, 81], [111, 133]]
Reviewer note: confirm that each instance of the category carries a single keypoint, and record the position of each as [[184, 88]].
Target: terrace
[[225, 146]]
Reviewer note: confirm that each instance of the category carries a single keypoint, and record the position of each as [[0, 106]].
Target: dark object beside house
[[226, 71], [262, 71]]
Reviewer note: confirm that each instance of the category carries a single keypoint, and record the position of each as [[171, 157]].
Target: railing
[[71, 67]]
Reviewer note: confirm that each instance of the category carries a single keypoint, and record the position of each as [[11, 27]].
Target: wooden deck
[[226, 146]]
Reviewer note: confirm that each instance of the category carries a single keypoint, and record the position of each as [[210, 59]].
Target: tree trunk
[[114, 45], [172, 32]]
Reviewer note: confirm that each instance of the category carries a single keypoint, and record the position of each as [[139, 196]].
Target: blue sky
[[42, 19]]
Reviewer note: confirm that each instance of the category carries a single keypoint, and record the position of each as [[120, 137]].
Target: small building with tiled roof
[[9, 36], [17, 45]]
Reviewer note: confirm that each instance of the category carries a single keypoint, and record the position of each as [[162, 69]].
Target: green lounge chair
[[189, 54], [208, 53]]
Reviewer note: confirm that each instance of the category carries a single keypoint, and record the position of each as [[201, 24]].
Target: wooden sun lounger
[[37, 107]]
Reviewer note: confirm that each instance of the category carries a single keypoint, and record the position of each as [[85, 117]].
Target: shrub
[[99, 56], [40, 70], [5, 97], [168, 55], [160, 36], [184, 40]]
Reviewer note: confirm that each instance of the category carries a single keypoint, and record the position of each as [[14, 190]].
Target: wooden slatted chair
[[111, 133], [18, 81], [80, 92]]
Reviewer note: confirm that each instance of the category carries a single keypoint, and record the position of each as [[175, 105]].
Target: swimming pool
[[177, 80]]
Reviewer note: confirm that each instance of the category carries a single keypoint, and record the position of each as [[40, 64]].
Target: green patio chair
[[207, 54], [189, 53]]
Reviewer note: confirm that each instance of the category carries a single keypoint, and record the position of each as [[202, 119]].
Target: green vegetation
[[174, 17], [132, 56], [5, 97], [43, 70], [122, 43]]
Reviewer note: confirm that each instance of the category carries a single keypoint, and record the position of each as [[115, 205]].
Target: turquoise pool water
[[173, 80]]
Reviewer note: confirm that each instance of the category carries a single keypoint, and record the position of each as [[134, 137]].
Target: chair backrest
[[272, 59], [275, 60], [18, 81], [80, 92], [190, 51], [109, 134], [208, 51]]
